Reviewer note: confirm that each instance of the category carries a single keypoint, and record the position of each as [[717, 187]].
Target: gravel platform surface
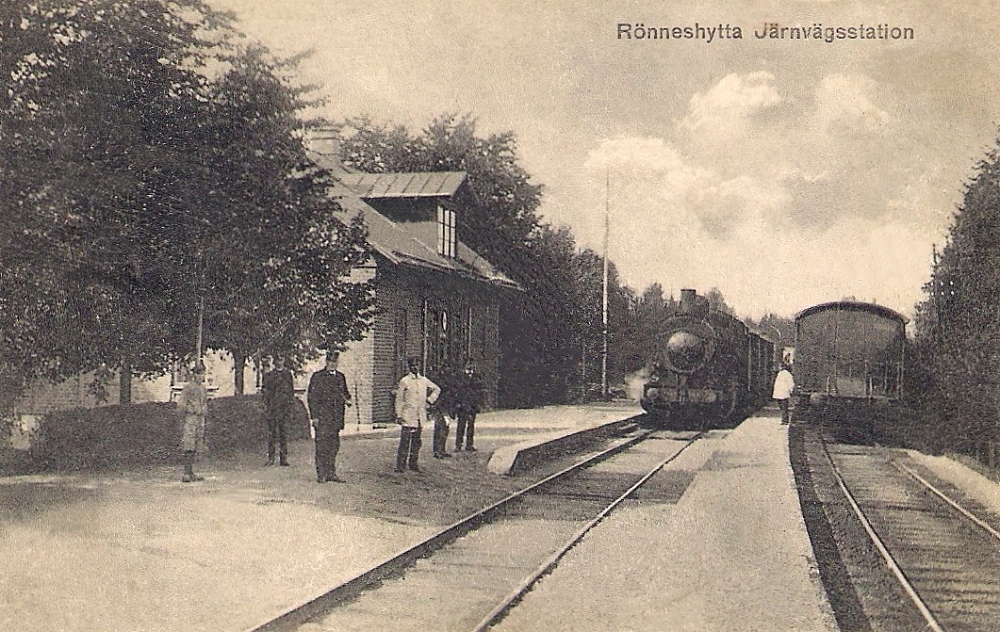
[[725, 551], [141, 551]]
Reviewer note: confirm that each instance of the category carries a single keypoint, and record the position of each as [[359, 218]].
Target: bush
[[143, 434], [110, 436], [238, 423], [14, 461]]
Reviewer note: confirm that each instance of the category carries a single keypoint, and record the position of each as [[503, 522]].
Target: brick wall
[[402, 295]]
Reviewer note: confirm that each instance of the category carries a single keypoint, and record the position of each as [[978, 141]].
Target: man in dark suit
[[469, 399], [327, 396], [279, 399]]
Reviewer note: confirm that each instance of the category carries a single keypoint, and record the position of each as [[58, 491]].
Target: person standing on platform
[[327, 396], [279, 398], [413, 394], [468, 401], [784, 384], [442, 411], [192, 406]]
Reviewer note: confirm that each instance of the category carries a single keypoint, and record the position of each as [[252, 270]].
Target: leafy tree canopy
[[153, 165]]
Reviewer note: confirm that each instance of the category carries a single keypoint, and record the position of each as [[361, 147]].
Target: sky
[[784, 172]]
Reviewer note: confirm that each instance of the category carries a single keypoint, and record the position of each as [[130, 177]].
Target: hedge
[[142, 434]]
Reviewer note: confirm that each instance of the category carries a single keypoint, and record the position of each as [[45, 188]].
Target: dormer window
[[446, 232]]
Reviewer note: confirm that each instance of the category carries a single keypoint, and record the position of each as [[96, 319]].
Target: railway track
[[943, 555], [469, 575]]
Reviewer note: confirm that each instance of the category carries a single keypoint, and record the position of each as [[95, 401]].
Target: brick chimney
[[324, 141]]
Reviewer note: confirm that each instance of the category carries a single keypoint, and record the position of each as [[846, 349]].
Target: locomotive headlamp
[[686, 351]]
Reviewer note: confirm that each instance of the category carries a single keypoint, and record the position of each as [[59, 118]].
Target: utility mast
[[604, 312]]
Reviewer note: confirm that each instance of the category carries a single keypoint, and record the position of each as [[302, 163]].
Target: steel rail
[[954, 505], [890, 561], [350, 589], [501, 610]]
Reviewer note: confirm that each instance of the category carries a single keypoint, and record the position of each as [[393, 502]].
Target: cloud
[[645, 154], [651, 176], [844, 105], [779, 204], [730, 103]]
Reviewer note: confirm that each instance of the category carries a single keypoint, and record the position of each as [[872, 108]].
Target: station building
[[436, 299]]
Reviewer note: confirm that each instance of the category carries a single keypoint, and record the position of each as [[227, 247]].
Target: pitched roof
[[392, 240], [398, 245], [403, 185]]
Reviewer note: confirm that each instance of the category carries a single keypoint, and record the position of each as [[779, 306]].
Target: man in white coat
[[414, 393], [784, 384]]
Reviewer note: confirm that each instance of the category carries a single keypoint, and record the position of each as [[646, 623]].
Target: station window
[[446, 232]]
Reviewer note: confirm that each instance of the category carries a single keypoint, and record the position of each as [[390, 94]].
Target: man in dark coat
[[279, 400], [327, 396], [468, 401], [441, 410]]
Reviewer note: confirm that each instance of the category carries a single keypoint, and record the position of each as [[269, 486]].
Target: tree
[[778, 329], [958, 324], [154, 173], [645, 323], [587, 322], [717, 302]]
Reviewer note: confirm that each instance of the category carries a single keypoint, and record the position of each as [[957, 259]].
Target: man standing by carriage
[[784, 384]]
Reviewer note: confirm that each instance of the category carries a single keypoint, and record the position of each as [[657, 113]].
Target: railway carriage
[[849, 350], [848, 367], [707, 368]]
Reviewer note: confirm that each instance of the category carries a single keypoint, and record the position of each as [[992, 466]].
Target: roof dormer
[[424, 202]]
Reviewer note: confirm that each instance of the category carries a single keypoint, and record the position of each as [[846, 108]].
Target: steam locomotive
[[707, 369]]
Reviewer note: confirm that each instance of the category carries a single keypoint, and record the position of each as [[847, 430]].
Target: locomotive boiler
[[707, 369]]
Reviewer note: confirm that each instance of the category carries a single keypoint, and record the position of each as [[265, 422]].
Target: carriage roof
[[858, 306]]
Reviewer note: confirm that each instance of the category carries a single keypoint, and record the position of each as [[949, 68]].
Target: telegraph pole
[[604, 311], [201, 329]]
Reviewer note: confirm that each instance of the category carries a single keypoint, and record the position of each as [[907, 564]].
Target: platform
[[140, 550], [730, 553]]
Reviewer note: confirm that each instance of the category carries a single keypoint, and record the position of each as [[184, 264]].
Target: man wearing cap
[[327, 396], [413, 394], [192, 406]]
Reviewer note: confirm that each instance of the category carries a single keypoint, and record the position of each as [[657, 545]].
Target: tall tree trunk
[[239, 362], [125, 383]]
